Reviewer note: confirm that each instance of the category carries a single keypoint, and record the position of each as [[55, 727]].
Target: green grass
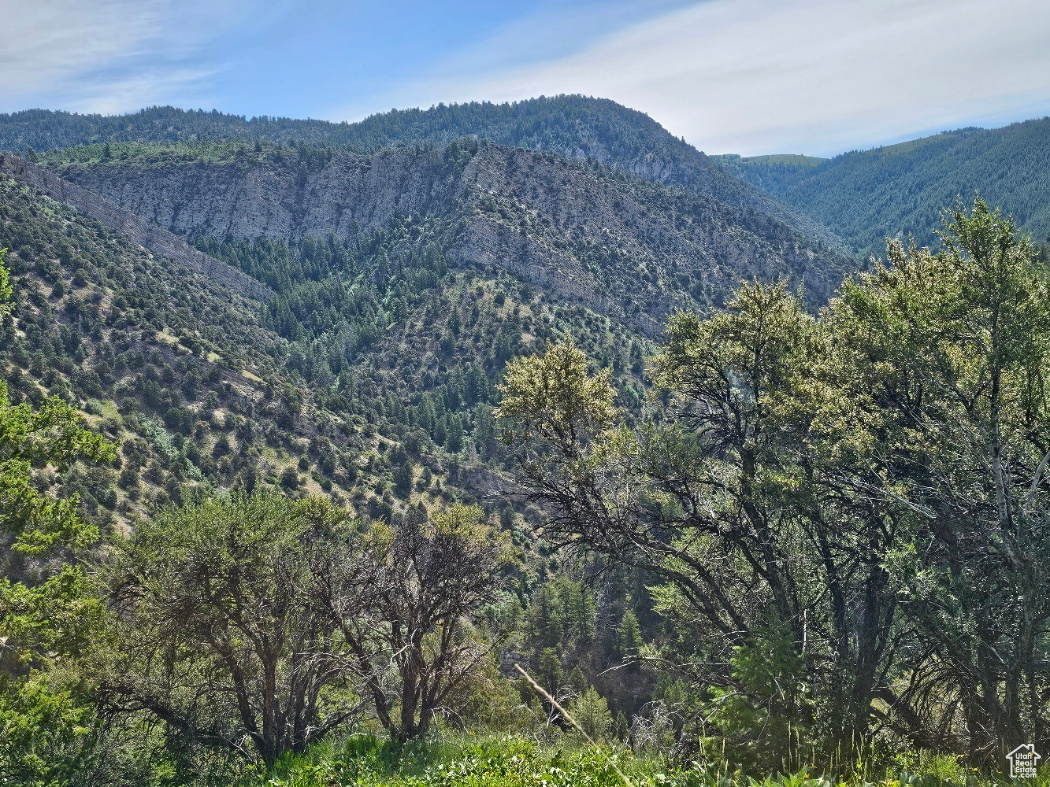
[[488, 761], [519, 761]]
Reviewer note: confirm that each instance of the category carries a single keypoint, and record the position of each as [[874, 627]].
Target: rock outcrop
[[631, 249], [159, 241]]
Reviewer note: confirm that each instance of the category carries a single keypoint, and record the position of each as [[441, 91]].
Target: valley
[[641, 420]]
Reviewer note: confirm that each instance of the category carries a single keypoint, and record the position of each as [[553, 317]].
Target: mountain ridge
[[901, 190], [135, 229], [573, 126], [563, 226]]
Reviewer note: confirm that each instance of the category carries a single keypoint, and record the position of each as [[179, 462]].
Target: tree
[[692, 501], [221, 631], [722, 493], [403, 478], [406, 597], [591, 711], [629, 636], [5, 287], [45, 619], [554, 398], [947, 356], [862, 495]]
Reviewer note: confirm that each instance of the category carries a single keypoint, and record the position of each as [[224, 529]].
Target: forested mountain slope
[[864, 196], [769, 172], [369, 377], [185, 374], [401, 283], [370, 374], [622, 246], [170, 363], [574, 127]]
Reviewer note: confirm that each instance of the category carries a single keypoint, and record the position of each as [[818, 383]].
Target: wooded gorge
[[742, 504]]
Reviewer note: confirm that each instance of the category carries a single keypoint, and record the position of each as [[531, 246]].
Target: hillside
[[369, 374], [574, 127], [169, 363], [622, 246], [864, 196], [769, 172]]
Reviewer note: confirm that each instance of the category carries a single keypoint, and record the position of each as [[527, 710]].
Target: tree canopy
[[862, 493]]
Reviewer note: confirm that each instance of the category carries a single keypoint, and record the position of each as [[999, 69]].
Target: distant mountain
[[769, 172], [575, 127], [865, 196]]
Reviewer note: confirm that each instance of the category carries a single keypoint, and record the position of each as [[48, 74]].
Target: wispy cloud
[[813, 76], [45, 42], [746, 76], [122, 92], [544, 32], [108, 55]]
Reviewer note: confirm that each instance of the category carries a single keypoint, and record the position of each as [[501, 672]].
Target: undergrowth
[[514, 761]]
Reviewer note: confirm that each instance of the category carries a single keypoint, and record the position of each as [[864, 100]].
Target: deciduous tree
[[220, 628], [407, 597]]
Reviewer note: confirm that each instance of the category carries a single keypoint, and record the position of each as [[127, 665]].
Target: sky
[[752, 77]]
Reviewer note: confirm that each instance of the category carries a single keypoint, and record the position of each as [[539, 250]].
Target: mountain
[[574, 127], [865, 196], [623, 246], [769, 172], [363, 370], [171, 363], [343, 322], [201, 390]]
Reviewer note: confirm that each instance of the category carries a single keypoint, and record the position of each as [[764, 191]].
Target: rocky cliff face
[[631, 249], [132, 227], [574, 127], [272, 196]]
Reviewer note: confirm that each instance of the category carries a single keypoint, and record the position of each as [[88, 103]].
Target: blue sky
[[744, 76]]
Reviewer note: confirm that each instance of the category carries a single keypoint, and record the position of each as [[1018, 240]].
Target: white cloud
[[45, 42], [179, 87], [107, 55], [805, 76]]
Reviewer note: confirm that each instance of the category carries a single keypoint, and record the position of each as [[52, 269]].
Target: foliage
[[764, 714], [769, 172], [482, 761], [591, 711], [5, 287], [554, 398], [406, 597], [364, 761], [898, 190], [221, 633], [31, 441], [964, 332], [815, 538], [45, 614], [868, 485], [46, 732], [252, 622]]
